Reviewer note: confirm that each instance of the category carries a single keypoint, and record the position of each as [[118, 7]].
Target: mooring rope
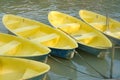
[[71, 67], [82, 58]]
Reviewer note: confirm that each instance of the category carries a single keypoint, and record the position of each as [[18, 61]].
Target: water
[[38, 10]]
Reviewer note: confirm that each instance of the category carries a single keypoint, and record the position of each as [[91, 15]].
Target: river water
[[38, 10]]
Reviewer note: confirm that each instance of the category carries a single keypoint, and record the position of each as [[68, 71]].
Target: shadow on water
[[38, 10]]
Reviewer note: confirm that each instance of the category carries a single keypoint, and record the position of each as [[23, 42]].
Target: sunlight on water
[[38, 10]]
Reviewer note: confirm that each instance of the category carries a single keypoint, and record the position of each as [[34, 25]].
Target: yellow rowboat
[[61, 45], [13, 46], [89, 39], [111, 28], [22, 69]]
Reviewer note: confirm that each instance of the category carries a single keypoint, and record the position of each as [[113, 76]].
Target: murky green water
[[38, 10]]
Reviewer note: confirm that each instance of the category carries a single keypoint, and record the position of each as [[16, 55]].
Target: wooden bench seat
[[23, 29], [45, 38], [36, 53], [8, 46], [100, 25], [70, 27], [66, 47], [12, 22], [28, 73], [114, 34], [85, 36]]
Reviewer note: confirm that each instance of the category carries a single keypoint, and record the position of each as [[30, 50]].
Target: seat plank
[[45, 38], [36, 53], [23, 29], [85, 36], [8, 46], [28, 73]]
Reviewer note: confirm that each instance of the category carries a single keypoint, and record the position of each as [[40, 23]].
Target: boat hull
[[61, 45], [41, 77], [16, 47], [68, 54], [91, 50], [115, 41], [42, 58], [88, 38], [22, 69], [62, 53], [98, 22]]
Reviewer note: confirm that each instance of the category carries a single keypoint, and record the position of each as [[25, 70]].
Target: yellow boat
[[13, 46], [22, 69], [111, 28], [89, 39], [61, 45]]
